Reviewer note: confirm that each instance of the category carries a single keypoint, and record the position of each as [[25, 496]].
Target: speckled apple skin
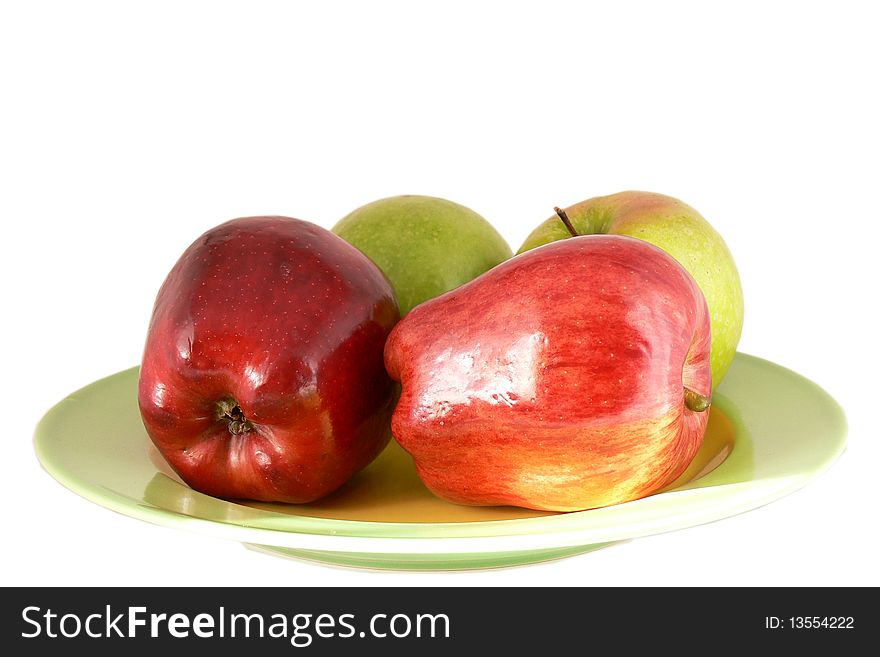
[[425, 245], [289, 321], [682, 232], [556, 380]]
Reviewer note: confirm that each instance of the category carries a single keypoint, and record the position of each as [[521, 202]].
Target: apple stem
[[564, 216], [230, 412], [695, 401]]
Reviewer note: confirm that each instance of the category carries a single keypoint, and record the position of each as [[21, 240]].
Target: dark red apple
[[262, 375], [573, 376]]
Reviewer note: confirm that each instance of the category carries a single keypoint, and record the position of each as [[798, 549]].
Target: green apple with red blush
[[679, 230]]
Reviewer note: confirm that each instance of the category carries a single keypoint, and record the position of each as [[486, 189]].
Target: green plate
[[771, 431]]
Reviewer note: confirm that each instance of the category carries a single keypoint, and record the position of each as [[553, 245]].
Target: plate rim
[[562, 530]]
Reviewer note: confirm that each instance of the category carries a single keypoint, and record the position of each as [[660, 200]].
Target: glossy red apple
[[573, 376], [262, 375]]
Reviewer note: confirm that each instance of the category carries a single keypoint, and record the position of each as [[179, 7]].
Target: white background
[[128, 129]]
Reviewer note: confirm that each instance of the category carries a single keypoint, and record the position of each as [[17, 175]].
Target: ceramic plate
[[770, 432]]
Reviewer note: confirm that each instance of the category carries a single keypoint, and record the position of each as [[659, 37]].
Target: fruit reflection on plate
[[770, 432]]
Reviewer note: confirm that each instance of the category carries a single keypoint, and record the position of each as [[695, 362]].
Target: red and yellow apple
[[262, 376], [570, 377]]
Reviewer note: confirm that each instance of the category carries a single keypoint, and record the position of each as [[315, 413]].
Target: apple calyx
[[230, 412], [695, 401], [563, 215]]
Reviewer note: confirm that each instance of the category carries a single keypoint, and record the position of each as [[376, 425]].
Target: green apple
[[426, 246], [679, 230]]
